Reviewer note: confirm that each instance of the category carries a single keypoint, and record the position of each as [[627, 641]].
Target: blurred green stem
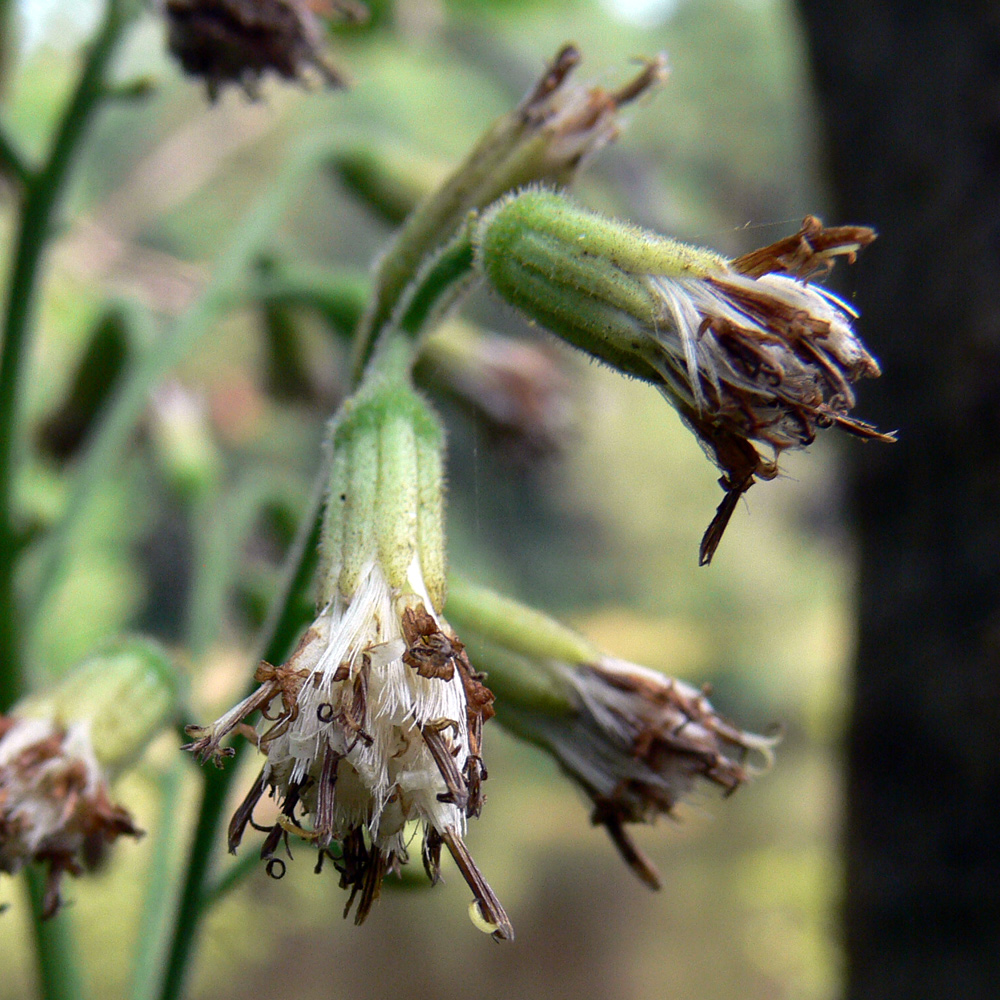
[[277, 635], [42, 193], [58, 977], [159, 903], [12, 161], [125, 411], [35, 227]]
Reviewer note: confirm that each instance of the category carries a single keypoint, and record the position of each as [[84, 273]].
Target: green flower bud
[[747, 350], [58, 749], [385, 502], [635, 741], [182, 441]]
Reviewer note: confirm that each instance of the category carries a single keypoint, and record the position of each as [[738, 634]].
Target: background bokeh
[[602, 530]]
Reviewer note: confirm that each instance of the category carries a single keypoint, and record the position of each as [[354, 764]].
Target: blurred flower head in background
[[238, 41]]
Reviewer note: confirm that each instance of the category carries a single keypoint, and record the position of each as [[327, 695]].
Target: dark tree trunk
[[910, 94]]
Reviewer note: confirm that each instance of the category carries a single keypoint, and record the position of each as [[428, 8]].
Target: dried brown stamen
[[489, 906], [429, 650], [807, 252]]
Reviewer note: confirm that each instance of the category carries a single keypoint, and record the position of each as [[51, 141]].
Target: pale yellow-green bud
[[125, 693], [385, 502], [182, 441]]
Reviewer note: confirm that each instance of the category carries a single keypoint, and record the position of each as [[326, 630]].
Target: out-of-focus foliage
[[605, 534]]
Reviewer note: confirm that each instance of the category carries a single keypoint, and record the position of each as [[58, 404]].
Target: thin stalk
[[154, 923], [276, 636], [58, 976], [229, 879], [41, 200], [12, 161], [117, 425]]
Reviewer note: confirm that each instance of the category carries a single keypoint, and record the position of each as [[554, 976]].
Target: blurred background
[[588, 502]]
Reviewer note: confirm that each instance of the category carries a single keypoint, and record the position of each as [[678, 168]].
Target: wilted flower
[[375, 721], [237, 41], [634, 740], [749, 351], [56, 752], [636, 743], [546, 138]]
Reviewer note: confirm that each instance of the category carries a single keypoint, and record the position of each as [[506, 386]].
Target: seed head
[[373, 727]]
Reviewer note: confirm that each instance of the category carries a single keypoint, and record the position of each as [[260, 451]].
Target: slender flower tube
[[634, 740], [749, 351], [554, 129], [374, 725], [59, 751]]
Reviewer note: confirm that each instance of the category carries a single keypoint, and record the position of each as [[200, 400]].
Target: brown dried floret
[[238, 41], [54, 803]]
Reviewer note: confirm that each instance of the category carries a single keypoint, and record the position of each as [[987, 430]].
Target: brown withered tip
[[776, 359], [238, 41], [808, 252], [55, 808]]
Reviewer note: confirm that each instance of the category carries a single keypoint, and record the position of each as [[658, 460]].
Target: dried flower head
[[749, 351], [637, 742], [54, 802], [57, 749], [373, 727], [555, 128], [238, 41]]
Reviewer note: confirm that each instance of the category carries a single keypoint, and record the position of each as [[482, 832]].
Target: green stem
[[117, 425], [154, 924], [58, 975], [12, 160], [277, 634], [36, 223]]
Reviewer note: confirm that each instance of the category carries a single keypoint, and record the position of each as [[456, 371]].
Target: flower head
[[56, 752], [373, 726], [749, 351], [237, 41], [635, 741], [54, 802]]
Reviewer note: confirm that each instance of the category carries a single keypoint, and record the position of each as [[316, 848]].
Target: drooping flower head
[[555, 128], [58, 751], [749, 351], [373, 727], [635, 741]]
